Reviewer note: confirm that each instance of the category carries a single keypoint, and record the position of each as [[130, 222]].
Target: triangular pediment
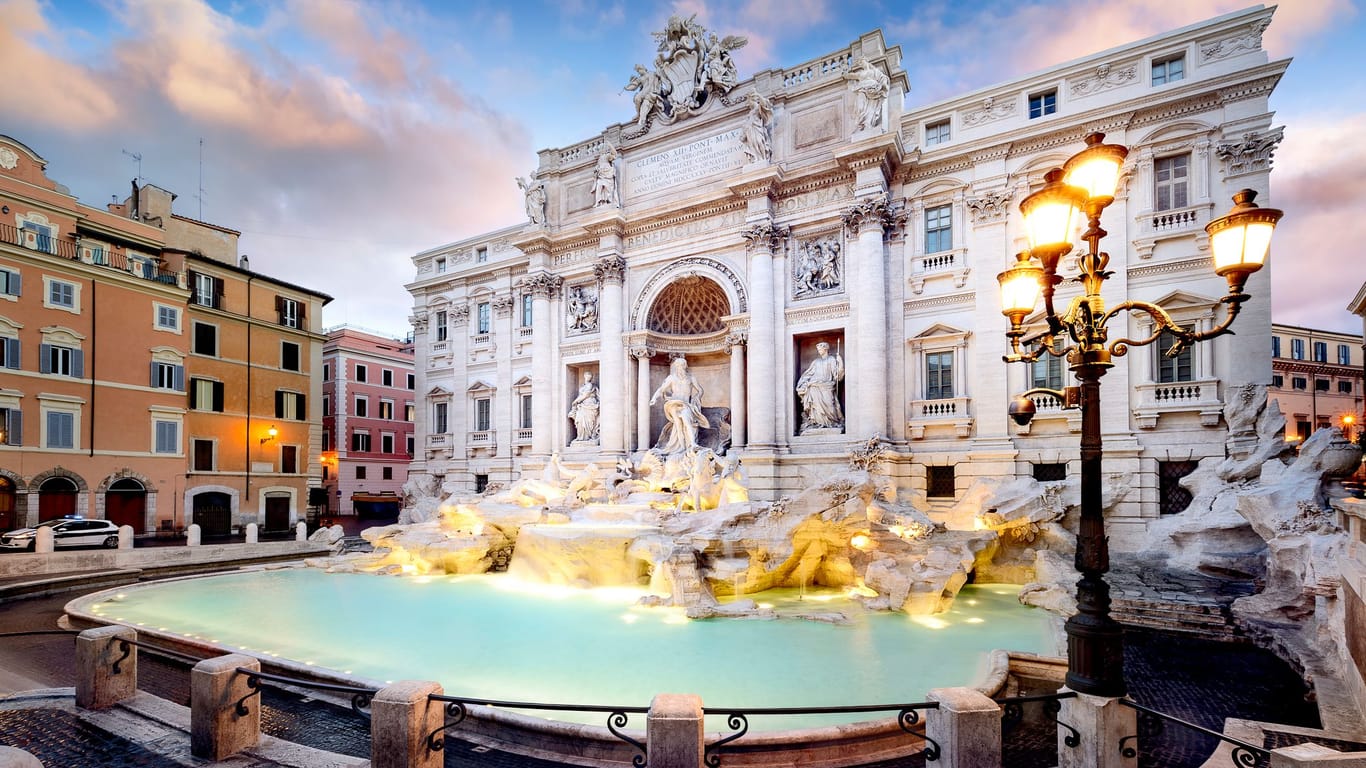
[[438, 391], [1185, 300], [480, 387], [940, 329]]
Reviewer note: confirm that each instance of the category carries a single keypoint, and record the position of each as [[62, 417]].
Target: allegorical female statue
[[818, 390], [682, 408], [584, 411]]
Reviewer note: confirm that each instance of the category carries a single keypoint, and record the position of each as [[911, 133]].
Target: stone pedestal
[[401, 716], [125, 537], [216, 729], [98, 686], [301, 531], [967, 727], [43, 540], [1101, 722], [253, 534], [674, 736]]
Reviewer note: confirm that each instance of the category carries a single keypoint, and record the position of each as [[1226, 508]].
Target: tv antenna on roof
[[200, 195], [137, 156]]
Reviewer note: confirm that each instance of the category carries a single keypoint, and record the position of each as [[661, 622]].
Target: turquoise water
[[490, 637]]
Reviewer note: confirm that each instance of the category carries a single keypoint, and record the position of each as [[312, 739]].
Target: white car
[[66, 532]]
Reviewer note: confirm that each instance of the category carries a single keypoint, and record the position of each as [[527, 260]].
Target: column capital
[[736, 340], [610, 270], [989, 207], [502, 305], [460, 314], [765, 235], [642, 353], [419, 321], [542, 285], [877, 211]]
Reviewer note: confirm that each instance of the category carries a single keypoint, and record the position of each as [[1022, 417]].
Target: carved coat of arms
[[692, 68]]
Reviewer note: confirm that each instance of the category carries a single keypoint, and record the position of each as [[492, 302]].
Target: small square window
[[205, 339], [1344, 387], [1277, 380], [939, 482], [1047, 473], [937, 133], [412, 382], [360, 472], [1041, 104], [481, 255], [441, 265], [1169, 70], [387, 473], [386, 377], [361, 373], [61, 294], [1299, 382], [1321, 385], [289, 356], [168, 318]]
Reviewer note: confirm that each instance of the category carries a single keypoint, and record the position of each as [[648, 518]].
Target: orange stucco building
[[143, 365]]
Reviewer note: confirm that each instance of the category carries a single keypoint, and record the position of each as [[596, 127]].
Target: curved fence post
[[218, 727], [401, 717], [674, 736], [104, 677], [967, 727]]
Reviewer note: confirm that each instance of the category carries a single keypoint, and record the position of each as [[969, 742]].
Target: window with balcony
[[440, 423], [526, 310], [939, 376], [939, 228], [441, 330], [483, 412], [1173, 369], [1046, 371], [1045, 103], [484, 318], [1171, 176], [206, 395], [41, 236], [525, 411], [1169, 69]]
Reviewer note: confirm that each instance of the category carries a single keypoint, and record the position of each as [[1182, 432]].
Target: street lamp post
[[1085, 186]]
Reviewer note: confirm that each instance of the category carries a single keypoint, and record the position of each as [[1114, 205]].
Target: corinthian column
[[867, 377], [611, 273], [642, 356], [543, 286], [762, 240], [735, 345]]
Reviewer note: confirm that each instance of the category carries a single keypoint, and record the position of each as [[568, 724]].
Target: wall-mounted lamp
[[4, 209], [270, 435]]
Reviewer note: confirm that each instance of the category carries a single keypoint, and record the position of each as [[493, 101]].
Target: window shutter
[[218, 293], [193, 277], [45, 363], [280, 310], [178, 376], [12, 353], [303, 410], [279, 404], [303, 316], [78, 363], [16, 283], [218, 396], [14, 427], [152, 374]]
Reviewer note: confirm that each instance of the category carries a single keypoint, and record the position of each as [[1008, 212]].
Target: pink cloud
[[73, 99]]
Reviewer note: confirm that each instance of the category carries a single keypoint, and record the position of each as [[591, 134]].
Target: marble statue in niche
[[817, 269], [818, 389], [584, 411], [605, 178], [754, 138], [870, 85], [534, 191], [682, 409], [582, 308]]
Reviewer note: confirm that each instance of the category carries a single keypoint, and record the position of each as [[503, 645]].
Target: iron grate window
[[1172, 498], [1046, 473], [939, 482]]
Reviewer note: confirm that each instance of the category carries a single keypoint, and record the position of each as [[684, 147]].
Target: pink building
[[368, 397]]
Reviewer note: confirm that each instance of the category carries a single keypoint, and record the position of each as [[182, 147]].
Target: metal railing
[[738, 720], [102, 257], [457, 709], [1151, 723], [360, 697]]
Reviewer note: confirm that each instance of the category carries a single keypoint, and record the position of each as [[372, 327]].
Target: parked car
[[66, 532]]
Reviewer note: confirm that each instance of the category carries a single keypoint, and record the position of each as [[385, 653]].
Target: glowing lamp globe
[[1050, 216], [1096, 168], [1241, 238], [1020, 287]]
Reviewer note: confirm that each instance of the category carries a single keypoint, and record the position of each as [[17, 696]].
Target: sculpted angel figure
[[605, 178], [817, 389], [682, 407], [754, 138], [871, 86], [534, 190]]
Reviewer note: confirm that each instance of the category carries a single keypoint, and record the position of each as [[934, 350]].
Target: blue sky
[[341, 138]]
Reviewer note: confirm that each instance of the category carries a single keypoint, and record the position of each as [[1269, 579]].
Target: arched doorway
[[212, 512], [56, 498], [125, 503], [8, 496]]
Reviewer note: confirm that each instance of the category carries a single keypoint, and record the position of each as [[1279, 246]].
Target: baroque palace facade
[[825, 259]]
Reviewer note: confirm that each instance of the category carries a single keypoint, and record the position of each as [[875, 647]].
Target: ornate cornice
[[934, 302], [610, 269], [1254, 153], [1252, 89], [1198, 265], [460, 314], [1248, 38], [821, 312], [989, 207], [990, 111]]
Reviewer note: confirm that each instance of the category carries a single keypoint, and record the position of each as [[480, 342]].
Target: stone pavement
[[1198, 680]]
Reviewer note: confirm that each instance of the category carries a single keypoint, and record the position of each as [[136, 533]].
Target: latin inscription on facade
[[690, 162]]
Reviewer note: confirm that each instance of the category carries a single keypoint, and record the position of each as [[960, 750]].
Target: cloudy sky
[[341, 138]]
